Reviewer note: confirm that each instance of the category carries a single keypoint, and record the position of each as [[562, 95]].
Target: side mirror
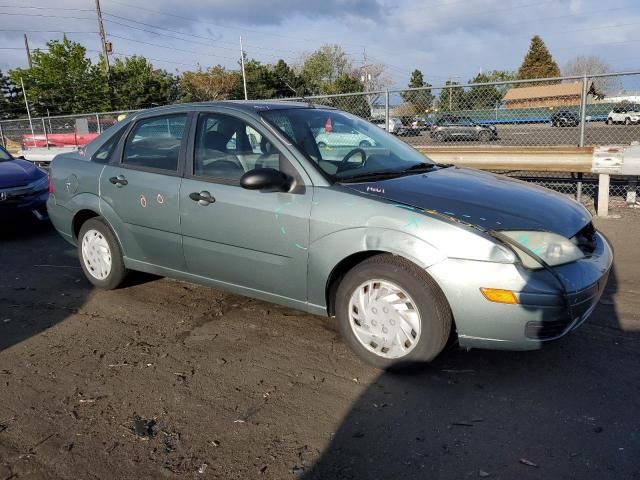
[[266, 179]]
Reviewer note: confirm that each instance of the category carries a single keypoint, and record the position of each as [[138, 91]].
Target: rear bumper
[[543, 313]]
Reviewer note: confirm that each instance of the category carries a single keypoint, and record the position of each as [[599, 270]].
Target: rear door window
[[155, 143]]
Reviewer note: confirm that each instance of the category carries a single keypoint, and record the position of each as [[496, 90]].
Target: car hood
[[16, 173], [489, 201]]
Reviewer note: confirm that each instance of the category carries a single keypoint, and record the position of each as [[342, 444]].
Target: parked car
[[342, 135], [395, 125], [24, 188], [451, 127], [565, 118], [624, 114], [400, 250]]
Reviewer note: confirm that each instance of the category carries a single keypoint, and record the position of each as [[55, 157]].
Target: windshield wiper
[[420, 166]]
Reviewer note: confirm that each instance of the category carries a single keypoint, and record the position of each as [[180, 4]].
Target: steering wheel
[[344, 162]]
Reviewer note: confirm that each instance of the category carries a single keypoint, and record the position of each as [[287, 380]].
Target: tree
[[322, 68], [215, 83], [593, 65], [488, 96], [287, 83], [11, 101], [538, 62], [63, 80], [136, 84], [452, 98], [260, 81], [421, 100]]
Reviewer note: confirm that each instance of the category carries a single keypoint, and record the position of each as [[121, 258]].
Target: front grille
[[546, 330], [585, 239]]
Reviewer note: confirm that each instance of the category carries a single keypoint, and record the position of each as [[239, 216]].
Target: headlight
[[552, 248], [40, 184]]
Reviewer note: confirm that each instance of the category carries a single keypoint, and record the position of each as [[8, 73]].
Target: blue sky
[[443, 38]]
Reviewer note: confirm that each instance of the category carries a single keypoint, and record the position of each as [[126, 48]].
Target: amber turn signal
[[498, 295]]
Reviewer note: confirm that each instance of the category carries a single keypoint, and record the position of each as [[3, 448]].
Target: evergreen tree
[[421, 100], [452, 99], [11, 102], [538, 62], [487, 96]]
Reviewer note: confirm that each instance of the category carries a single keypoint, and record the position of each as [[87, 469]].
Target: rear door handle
[[204, 198], [119, 181]]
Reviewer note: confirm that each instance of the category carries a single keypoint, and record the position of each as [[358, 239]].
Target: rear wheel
[[439, 137], [627, 121], [364, 144], [100, 254], [609, 121], [392, 313], [484, 136], [322, 145]]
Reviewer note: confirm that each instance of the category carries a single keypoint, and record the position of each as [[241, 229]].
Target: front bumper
[[543, 313], [21, 204]]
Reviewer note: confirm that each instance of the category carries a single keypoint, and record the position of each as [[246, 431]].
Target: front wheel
[[609, 121], [392, 313], [100, 254], [627, 121]]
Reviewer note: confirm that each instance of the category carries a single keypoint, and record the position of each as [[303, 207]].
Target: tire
[[423, 298], [439, 137], [322, 145], [484, 136], [95, 235], [364, 144], [553, 123], [609, 121], [627, 121]]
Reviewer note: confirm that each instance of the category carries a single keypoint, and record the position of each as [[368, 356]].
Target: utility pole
[[24, 94], [103, 36], [244, 77], [26, 46]]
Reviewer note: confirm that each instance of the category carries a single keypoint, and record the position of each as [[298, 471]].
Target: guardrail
[[603, 161]]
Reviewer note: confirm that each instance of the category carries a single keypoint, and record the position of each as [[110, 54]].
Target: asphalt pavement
[[165, 379]]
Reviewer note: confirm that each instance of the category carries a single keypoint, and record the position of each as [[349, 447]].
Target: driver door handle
[[204, 198], [119, 181]]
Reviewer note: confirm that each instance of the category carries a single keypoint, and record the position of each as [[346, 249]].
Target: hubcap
[[96, 254], [384, 319]]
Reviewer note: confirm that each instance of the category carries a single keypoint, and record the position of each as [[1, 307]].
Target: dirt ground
[[164, 379]]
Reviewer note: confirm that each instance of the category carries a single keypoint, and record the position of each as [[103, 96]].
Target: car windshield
[[342, 145], [4, 155]]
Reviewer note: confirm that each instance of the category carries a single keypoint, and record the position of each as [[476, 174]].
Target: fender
[[330, 250]]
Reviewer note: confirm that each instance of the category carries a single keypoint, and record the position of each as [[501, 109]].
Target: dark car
[[451, 127], [24, 188], [565, 118]]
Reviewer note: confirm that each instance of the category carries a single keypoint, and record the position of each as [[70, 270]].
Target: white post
[[631, 191], [24, 94], [244, 78], [603, 194]]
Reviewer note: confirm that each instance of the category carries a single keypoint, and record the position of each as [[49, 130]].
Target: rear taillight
[[50, 184]]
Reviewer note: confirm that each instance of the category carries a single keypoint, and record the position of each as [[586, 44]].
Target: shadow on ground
[[566, 411], [41, 285]]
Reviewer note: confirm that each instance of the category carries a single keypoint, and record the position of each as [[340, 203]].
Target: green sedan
[[406, 254]]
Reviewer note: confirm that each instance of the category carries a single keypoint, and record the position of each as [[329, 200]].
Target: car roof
[[248, 106]]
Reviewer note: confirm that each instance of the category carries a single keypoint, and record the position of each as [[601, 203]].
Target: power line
[[193, 19], [169, 47], [43, 31]]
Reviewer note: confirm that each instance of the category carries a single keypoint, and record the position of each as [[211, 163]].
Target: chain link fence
[[567, 111]]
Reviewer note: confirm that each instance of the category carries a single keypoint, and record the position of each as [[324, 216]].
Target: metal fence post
[[2, 136], [98, 123], [583, 109], [386, 108], [603, 194], [583, 121], [46, 135], [631, 191]]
